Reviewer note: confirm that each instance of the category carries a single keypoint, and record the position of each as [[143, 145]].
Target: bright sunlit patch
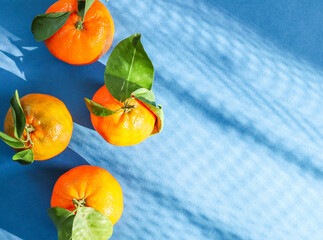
[[11, 54]]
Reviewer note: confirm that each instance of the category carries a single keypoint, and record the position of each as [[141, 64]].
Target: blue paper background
[[240, 156]]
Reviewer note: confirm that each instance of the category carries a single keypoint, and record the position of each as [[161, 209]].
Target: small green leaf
[[18, 115], [147, 97], [97, 109], [128, 69], [90, 224], [12, 142], [46, 25], [63, 220], [83, 6], [24, 157]]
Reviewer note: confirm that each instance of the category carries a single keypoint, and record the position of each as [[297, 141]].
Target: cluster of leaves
[[25, 156], [46, 25], [84, 223], [129, 74]]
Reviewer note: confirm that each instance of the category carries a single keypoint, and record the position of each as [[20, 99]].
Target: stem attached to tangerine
[[79, 25], [29, 129], [79, 203], [127, 107]]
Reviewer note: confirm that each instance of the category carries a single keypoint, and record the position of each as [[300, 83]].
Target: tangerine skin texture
[[94, 184], [51, 120], [122, 129], [79, 47]]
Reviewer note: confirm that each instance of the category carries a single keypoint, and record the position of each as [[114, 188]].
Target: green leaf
[[12, 142], [128, 69], [147, 97], [158, 111], [97, 109], [46, 25], [90, 224], [83, 6], [63, 220], [18, 115], [24, 157]]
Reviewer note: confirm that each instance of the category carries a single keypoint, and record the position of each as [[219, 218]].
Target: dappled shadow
[[240, 153]]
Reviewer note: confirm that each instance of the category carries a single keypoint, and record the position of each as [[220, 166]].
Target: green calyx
[[24, 145], [79, 25], [127, 107], [79, 203], [30, 128]]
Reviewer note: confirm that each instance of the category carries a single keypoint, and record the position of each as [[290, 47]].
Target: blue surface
[[240, 156]]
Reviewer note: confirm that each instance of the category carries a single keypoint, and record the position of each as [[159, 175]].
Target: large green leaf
[[46, 25], [147, 97], [128, 69], [63, 220], [83, 6], [97, 109], [24, 157], [90, 224], [18, 115], [12, 142]]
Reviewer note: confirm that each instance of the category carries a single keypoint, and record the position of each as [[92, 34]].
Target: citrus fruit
[[49, 124], [93, 187], [81, 43], [129, 126]]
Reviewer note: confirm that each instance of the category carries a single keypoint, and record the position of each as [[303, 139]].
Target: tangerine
[[49, 124], [93, 187], [130, 126], [81, 43]]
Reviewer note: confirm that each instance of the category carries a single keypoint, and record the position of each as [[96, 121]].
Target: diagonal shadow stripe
[[220, 117]]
